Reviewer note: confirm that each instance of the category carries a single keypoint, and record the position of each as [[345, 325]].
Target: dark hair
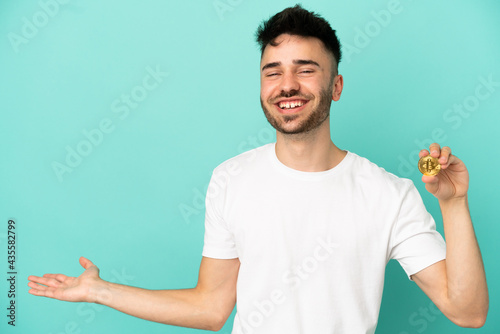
[[298, 21]]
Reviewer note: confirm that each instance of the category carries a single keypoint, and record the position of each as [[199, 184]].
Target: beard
[[314, 120]]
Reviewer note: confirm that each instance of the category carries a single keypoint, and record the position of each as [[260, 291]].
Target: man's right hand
[[207, 306], [71, 289]]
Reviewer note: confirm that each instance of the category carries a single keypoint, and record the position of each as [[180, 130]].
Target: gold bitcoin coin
[[429, 166]]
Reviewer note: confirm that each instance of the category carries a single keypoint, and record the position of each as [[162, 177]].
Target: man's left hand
[[453, 179]]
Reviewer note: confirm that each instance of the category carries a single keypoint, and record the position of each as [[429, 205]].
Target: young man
[[301, 232]]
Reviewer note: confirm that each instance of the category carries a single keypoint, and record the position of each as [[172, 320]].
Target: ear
[[338, 85]]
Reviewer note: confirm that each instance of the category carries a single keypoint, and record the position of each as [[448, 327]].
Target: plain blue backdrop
[[114, 114]]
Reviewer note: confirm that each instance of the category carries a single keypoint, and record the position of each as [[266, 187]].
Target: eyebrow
[[295, 61], [271, 65], [306, 62]]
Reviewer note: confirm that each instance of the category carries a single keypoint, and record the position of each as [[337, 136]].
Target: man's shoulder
[[366, 171], [254, 156]]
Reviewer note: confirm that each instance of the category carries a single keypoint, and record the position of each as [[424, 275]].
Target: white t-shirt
[[313, 246]]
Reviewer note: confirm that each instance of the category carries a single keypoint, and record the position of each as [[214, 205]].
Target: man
[[301, 232]]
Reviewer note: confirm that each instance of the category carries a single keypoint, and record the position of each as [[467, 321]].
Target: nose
[[289, 83]]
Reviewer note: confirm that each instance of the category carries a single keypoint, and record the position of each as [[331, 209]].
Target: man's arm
[[456, 285], [207, 306]]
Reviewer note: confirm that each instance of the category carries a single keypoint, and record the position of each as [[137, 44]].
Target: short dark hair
[[298, 21]]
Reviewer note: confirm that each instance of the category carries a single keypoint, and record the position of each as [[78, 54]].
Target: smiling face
[[296, 83]]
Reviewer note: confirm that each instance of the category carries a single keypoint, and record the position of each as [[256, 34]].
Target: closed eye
[[306, 72]]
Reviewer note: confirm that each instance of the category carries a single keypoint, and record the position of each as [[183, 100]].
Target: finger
[[435, 149], [52, 282], [37, 292], [429, 179], [452, 160], [431, 183], [445, 156], [59, 277], [423, 153], [86, 263], [42, 292], [33, 278], [37, 286]]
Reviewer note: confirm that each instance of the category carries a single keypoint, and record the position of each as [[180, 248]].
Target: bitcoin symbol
[[429, 166]]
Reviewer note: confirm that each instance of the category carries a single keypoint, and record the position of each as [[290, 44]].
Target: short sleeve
[[219, 240], [415, 242]]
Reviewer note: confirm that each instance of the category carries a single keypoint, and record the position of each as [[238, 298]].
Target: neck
[[313, 151]]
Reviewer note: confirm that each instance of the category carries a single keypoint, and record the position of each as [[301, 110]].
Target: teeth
[[291, 105]]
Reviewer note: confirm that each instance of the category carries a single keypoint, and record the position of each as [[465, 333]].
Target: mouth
[[290, 106]]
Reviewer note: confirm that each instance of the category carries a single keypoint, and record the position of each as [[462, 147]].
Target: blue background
[[133, 202]]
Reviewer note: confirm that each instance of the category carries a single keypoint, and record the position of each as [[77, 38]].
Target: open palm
[[62, 287]]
